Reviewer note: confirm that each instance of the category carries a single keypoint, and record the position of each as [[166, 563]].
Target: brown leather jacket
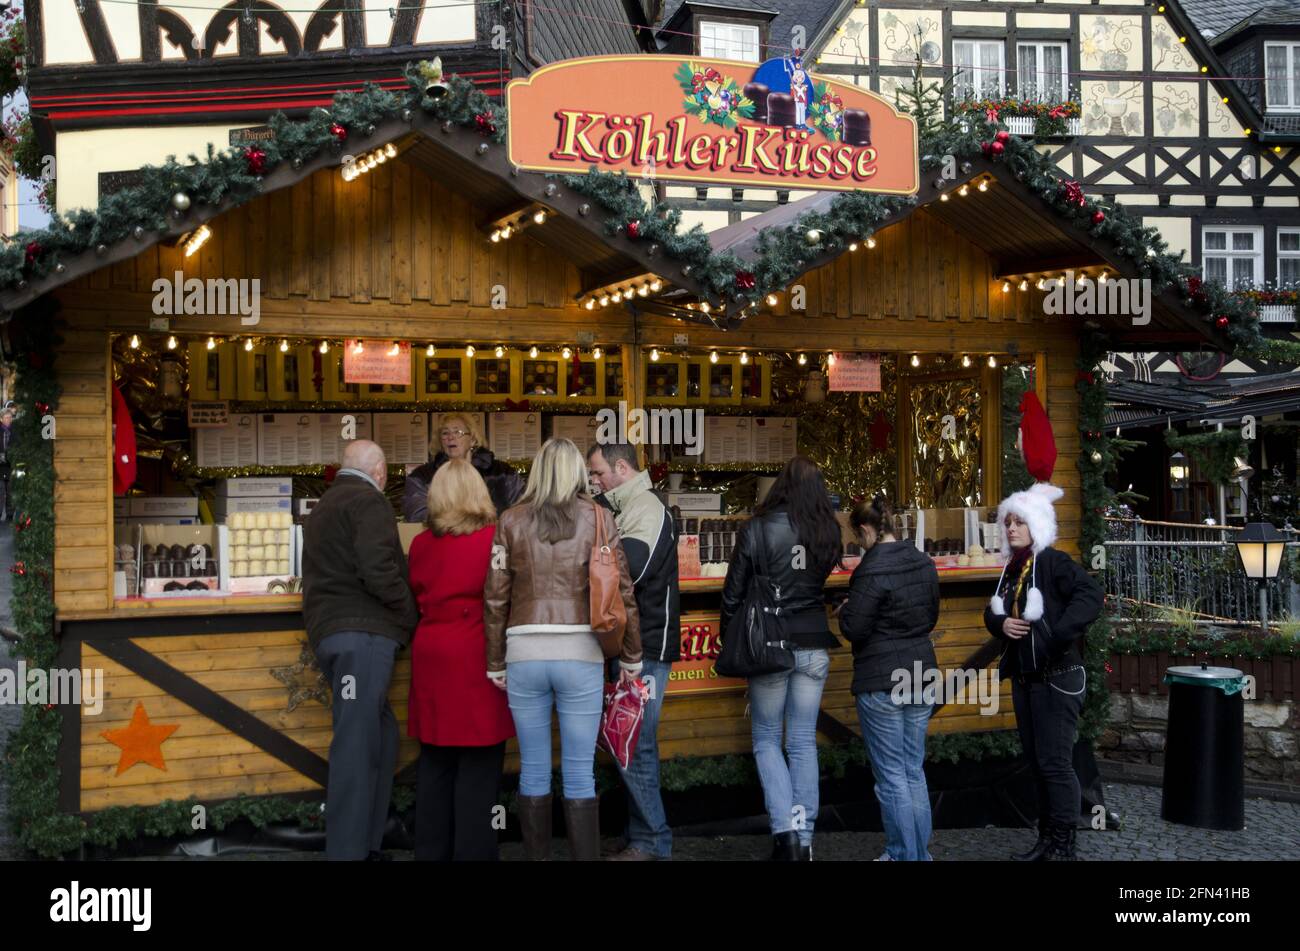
[[546, 586]]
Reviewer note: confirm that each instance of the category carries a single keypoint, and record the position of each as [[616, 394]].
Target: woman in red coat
[[461, 720]]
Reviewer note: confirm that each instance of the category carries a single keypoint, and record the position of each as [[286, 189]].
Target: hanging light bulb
[[744, 357], [604, 300], [212, 343], [1024, 284], [713, 356], [539, 217], [771, 300], [655, 285], [358, 347], [1041, 285], [1060, 281], [654, 355], [430, 350], [171, 343], [964, 191], [830, 359], [596, 353], [134, 342], [984, 184], [965, 359], [802, 359], [704, 306], [993, 361], [916, 361], [629, 294], [566, 353], [496, 236], [284, 346], [643, 290], [324, 346], [500, 351], [1102, 278], [395, 349], [505, 232], [469, 350], [853, 245], [871, 242], [532, 352], [1006, 286], [943, 197], [1079, 281], [248, 344], [390, 150]]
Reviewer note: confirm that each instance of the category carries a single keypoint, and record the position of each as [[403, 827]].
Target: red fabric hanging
[[123, 445]]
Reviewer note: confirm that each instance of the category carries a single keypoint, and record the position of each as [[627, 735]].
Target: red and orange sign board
[[711, 121], [695, 672], [386, 362]]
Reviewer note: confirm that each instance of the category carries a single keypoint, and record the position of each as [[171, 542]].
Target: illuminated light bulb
[[916, 361], [629, 294], [1060, 281], [1245, 132], [1040, 285], [1182, 39], [248, 344], [704, 306], [604, 300], [993, 361], [358, 347], [596, 353], [643, 290], [713, 356], [964, 191], [430, 350], [532, 352], [212, 343], [325, 347], [1081, 279], [654, 355], [943, 197], [984, 184], [965, 359], [871, 243], [591, 303], [853, 246], [1277, 150], [802, 359], [505, 232], [655, 285], [135, 342], [390, 150], [771, 300], [1006, 286], [394, 350], [380, 158], [1102, 278], [566, 353], [539, 218], [830, 359], [469, 350], [496, 237], [744, 358], [1024, 285], [500, 351], [1205, 69], [284, 346], [171, 343], [1225, 100]]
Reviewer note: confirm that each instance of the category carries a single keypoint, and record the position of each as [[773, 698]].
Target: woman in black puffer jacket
[[892, 608], [460, 440]]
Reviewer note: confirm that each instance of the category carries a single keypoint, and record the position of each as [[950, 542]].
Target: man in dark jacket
[[650, 544], [359, 613]]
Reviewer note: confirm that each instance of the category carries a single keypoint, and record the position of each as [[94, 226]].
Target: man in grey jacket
[[359, 613]]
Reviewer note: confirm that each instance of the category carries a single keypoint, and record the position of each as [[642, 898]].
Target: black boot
[[535, 826], [1062, 847], [785, 847], [1040, 848], [805, 853]]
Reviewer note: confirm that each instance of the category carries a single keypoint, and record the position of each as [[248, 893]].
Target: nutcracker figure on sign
[[798, 88]]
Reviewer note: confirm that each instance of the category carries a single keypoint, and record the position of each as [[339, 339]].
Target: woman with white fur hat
[[1043, 604]]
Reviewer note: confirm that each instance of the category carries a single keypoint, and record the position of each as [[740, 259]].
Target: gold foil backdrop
[[946, 457]]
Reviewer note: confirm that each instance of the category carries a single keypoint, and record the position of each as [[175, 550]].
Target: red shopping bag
[[620, 723]]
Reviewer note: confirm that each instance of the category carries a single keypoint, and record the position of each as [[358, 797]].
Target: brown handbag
[[608, 612]]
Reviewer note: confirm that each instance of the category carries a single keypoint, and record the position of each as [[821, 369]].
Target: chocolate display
[[780, 109], [857, 127], [757, 94]]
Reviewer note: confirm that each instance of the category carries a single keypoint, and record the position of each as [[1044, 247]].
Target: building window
[[1233, 256], [1282, 76], [1041, 71], [729, 41], [1288, 257], [977, 69]]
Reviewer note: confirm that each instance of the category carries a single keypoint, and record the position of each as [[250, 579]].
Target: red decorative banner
[[707, 120], [695, 672], [377, 361]]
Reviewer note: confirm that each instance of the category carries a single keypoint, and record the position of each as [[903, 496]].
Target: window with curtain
[[977, 69], [1288, 257], [1041, 71], [1233, 256], [729, 41], [1282, 77]]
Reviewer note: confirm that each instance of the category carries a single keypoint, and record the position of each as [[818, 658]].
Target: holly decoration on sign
[[633, 229], [484, 124], [1073, 193], [745, 280], [339, 132], [256, 159]]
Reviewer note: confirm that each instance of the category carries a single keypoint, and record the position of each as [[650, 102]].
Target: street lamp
[[1260, 547], [1179, 476]]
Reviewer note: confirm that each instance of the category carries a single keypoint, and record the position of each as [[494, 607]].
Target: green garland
[[1145, 639], [1215, 452]]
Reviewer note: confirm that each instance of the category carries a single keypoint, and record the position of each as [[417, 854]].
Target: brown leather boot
[[582, 823], [535, 824]]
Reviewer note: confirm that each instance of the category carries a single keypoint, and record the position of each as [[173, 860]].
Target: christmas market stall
[[202, 346]]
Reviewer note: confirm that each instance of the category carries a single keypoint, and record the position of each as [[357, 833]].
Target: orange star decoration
[[141, 742]]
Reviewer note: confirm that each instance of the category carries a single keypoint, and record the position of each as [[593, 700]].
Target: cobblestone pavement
[[1272, 833]]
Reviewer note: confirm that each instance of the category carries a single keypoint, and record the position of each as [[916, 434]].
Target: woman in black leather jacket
[[794, 539], [459, 439]]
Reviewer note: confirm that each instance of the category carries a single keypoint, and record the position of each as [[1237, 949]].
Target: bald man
[[359, 613]]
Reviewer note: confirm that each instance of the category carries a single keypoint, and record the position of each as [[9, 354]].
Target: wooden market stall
[[405, 254]]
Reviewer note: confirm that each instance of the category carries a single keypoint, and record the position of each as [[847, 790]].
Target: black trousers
[[1046, 716], [456, 791]]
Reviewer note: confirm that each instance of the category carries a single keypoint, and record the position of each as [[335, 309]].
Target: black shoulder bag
[[755, 640]]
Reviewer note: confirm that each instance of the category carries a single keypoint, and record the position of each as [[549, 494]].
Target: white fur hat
[[1034, 507]]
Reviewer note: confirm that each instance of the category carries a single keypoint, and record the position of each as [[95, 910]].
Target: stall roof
[[1134, 405]]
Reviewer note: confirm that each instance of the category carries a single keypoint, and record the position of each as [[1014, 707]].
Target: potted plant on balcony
[[1028, 118]]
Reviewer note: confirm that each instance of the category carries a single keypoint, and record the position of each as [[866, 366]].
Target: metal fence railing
[[1165, 568]]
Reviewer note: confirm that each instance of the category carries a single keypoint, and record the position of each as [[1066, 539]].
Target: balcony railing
[[1024, 126], [1277, 313]]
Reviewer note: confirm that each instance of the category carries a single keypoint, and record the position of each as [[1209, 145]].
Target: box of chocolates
[[258, 548], [176, 560]]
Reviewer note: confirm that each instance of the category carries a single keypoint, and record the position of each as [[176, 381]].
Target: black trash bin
[[1204, 758]]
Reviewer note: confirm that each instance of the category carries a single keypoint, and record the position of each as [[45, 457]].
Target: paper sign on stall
[[208, 413], [288, 439], [377, 362], [855, 373], [338, 431], [727, 439], [404, 437], [581, 430], [775, 439], [515, 435], [234, 444]]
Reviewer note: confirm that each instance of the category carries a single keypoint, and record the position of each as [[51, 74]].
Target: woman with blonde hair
[[540, 646], [459, 438], [462, 723]]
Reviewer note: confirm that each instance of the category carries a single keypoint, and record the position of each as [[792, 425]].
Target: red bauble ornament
[[18, 568], [745, 280], [34, 250], [986, 148], [1098, 217], [23, 523], [633, 229], [1221, 321], [42, 408], [1002, 136], [484, 124], [339, 132], [997, 148], [1193, 285], [256, 159]]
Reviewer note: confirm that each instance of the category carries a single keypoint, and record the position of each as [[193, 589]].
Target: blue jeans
[[895, 738], [576, 689], [791, 698], [647, 826]]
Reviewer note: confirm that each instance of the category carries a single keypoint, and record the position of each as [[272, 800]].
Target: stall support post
[[634, 387]]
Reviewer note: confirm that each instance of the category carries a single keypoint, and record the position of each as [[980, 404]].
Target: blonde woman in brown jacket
[[540, 646]]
